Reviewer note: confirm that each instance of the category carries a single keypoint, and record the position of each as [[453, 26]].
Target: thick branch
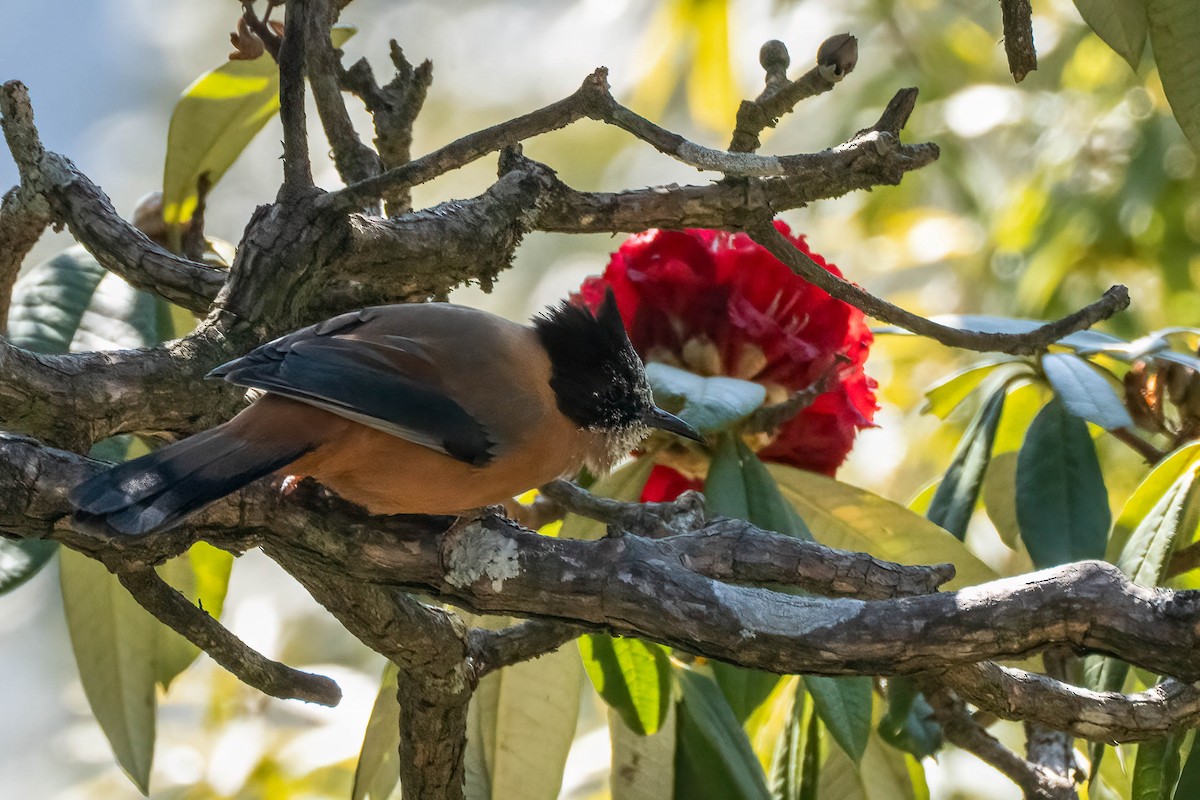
[[76, 201], [492, 650], [251, 667], [1114, 300]]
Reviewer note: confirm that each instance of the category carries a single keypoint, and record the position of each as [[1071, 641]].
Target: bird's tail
[[158, 490]]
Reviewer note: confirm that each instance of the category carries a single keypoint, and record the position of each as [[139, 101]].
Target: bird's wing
[[387, 382]]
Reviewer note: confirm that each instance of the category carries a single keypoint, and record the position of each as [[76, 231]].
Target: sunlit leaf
[[213, 121], [712, 94], [766, 724], [1120, 23], [1189, 777], [1084, 392], [643, 767], [115, 641], [633, 677], [1149, 494], [713, 756], [956, 496], [787, 768], [947, 395], [708, 404], [1174, 31], [378, 769], [844, 705], [1062, 503], [1020, 407], [1156, 768], [883, 774], [520, 725], [1000, 497], [847, 517], [1145, 554]]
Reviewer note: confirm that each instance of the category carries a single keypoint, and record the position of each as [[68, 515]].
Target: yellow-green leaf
[[1174, 32], [643, 767], [378, 769], [1000, 497], [633, 677], [946, 395], [1121, 24], [115, 644], [847, 517], [214, 120]]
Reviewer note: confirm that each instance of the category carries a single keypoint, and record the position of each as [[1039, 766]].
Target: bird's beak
[[657, 418]]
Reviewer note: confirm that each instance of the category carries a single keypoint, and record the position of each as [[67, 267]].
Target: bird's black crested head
[[596, 375]]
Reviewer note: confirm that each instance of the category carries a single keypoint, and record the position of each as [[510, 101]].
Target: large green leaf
[[378, 769], [201, 575], [1120, 23], [883, 774], [1000, 497], [708, 404], [1062, 503], [1174, 32], [908, 723], [787, 767], [643, 767], [1146, 552], [115, 642], [1148, 494], [1156, 768], [844, 705], [1189, 777], [1084, 392], [847, 517], [954, 501], [213, 121], [520, 726], [633, 677], [739, 486], [713, 757]]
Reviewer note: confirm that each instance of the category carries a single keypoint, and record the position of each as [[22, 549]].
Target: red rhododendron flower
[[717, 303]]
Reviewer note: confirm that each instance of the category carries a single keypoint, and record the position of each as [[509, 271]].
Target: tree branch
[[251, 667], [354, 160], [1018, 37], [492, 650], [297, 169], [1115, 299], [836, 58], [23, 216], [76, 201]]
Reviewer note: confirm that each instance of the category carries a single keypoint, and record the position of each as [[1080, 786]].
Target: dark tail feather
[[158, 490]]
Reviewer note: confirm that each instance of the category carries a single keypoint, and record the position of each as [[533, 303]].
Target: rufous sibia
[[426, 408]]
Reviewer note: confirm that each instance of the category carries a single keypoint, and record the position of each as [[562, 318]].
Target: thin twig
[[251, 667], [685, 513], [1018, 37], [1036, 782], [297, 169], [23, 216], [354, 160], [836, 58], [1114, 300], [492, 650]]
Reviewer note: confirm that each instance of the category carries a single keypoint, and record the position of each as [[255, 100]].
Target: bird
[[419, 408]]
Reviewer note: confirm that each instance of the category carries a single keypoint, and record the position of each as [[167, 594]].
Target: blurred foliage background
[[1046, 193]]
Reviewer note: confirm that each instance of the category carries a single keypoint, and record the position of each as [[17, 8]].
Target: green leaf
[[1121, 24], [713, 757], [115, 641], [1189, 777], [946, 395], [643, 767], [1000, 497], [739, 486], [1085, 392], [1146, 553], [378, 769], [847, 517], [71, 302], [1148, 494], [213, 121], [1174, 32], [201, 575], [787, 767], [908, 723], [1062, 503], [633, 677], [955, 499], [624, 484], [844, 705], [883, 774], [744, 689], [520, 726], [21, 560], [709, 404], [1156, 768], [1020, 407]]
